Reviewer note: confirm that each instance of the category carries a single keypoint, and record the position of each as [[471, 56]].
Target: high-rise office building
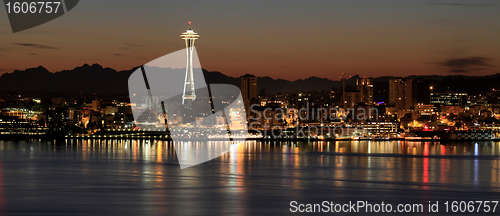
[[248, 89], [365, 88], [448, 99], [352, 98], [401, 93], [421, 91]]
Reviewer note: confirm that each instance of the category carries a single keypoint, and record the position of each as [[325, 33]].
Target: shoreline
[[160, 138]]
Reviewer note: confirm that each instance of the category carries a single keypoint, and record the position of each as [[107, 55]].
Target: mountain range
[[95, 78]]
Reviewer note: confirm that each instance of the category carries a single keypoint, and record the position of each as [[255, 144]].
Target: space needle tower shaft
[[189, 93]]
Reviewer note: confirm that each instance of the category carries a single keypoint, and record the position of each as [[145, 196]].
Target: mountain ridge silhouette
[[98, 79]]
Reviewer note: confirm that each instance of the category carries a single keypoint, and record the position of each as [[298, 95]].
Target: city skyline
[[372, 39], [339, 107]]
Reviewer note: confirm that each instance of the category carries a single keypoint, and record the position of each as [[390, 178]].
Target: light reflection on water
[[143, 177]]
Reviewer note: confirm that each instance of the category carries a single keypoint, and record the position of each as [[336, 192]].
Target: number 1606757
[[471, 206], [33, 7]]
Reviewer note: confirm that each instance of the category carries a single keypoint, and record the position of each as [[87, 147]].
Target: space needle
[[189, 91]]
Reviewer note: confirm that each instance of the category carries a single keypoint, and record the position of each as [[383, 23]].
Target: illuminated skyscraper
[[401, 93], [248, 90], [249, 87], [448, 99], [365, 87], [189, 93]]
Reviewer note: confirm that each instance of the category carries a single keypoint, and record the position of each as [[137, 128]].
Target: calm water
[[256, 178]]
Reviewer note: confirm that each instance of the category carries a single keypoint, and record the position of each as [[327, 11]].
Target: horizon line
[[313, 76]]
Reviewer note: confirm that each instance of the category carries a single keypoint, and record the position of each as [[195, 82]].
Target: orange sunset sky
[[281, 39]]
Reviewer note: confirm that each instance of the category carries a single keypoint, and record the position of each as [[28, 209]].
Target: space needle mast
[[189, 91]]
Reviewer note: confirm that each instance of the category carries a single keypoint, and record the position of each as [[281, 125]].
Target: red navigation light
[[426, 127], [189, 22]]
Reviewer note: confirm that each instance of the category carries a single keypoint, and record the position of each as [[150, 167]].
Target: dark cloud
[[463, 5], [5, 49], [136, 45], [118, 54], [447, 22], [33, 54], [465, 65], [38, 46], [133, 47]]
